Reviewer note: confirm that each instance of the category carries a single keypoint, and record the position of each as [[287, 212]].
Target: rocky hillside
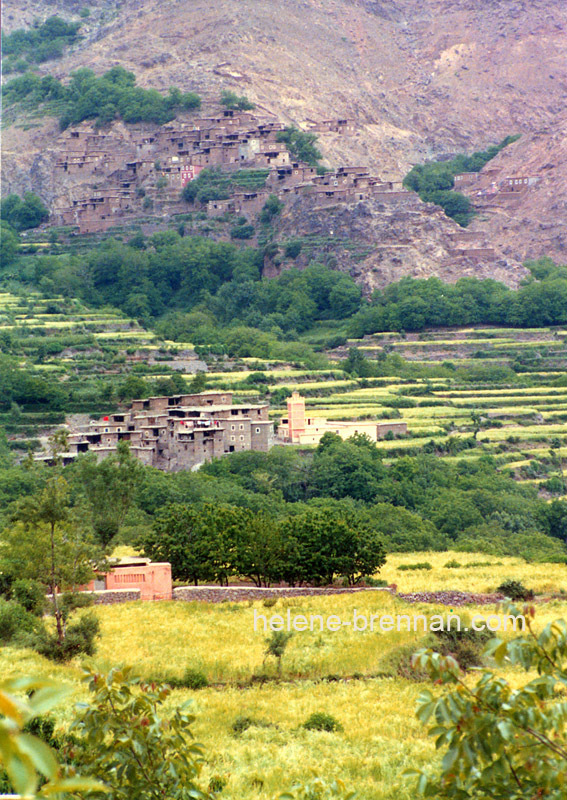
[[421, 80]]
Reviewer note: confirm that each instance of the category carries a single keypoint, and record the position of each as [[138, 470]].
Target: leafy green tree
[[126, 739], [276, 645], [23, 212], [300, 144], [346, 468], [235, 102], [200, 543], [501, 740], [319, 545], [9, 243], [109, 488], [48, 542]]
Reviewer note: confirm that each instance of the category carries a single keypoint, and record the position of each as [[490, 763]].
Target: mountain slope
[[420, 79]]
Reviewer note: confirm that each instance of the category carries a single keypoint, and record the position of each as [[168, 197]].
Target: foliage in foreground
[[124, 738], [27, 760], [501, 742]]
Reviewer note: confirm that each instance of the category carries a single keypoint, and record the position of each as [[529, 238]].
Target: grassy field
[[376, 707]]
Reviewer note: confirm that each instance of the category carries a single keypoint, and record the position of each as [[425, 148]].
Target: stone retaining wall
[[107, 597], [235, 594]]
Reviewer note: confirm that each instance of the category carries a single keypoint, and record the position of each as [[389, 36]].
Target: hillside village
[[182, 432], [114, 176]]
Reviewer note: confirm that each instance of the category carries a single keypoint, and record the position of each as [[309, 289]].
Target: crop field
[[346, 673]]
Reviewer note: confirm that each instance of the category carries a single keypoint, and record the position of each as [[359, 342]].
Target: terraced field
[[464, 393]]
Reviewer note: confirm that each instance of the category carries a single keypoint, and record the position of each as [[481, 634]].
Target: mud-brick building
[[153, 579], [177, 433]]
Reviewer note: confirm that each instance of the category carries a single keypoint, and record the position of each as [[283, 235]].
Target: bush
[[453, 564], [71, 601], [321, 721], [399, 661], [79, 638], [30, 595], [15, 621], [377, 583], [515, 590], [242, 724], [465, 646], [194, 679], [293, 249], [418, 565]]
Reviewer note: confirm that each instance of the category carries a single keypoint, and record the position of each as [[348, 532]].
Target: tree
[[23, 213], [347, 469], [300, 144], [320, 544], [126, 739], [109, 488], [200, 543], [48, 542], [502, 740], [232, 101], [276, 644]]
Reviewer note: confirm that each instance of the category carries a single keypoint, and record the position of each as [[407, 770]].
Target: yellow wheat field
[[381, 736]]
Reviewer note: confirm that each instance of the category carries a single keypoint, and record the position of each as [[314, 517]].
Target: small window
[[242, 438], [232, 427], [232, 438], [241, 427], [257, 430]]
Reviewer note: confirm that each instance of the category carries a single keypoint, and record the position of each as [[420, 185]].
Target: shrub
[[377, 583], [321, 721], [465, 645], [71, 601], [452, 564], [79, 638], [418, 565], [29, 594], [269, 602], [15, 621], [515, 590], [293, 249], [242, 724], [399, 661], [194, 679]]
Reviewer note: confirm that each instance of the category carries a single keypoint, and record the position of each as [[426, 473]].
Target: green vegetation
[[235, 102], [301, 145], [112, 95], [500, 740], [413, 305], [213, 184], [42, 42], [434, 181], [21, 213]]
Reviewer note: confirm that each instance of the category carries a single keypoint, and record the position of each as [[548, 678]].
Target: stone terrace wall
[[107, 597], [235, 594]]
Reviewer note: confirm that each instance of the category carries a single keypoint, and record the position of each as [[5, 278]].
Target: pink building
[[152, 579]]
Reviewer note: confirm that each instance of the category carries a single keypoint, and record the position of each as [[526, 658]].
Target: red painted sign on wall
[[189, 172]]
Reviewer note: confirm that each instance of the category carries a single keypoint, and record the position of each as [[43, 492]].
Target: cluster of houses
[[176, 433], [116, 174], [492, 187], [181, 432]]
